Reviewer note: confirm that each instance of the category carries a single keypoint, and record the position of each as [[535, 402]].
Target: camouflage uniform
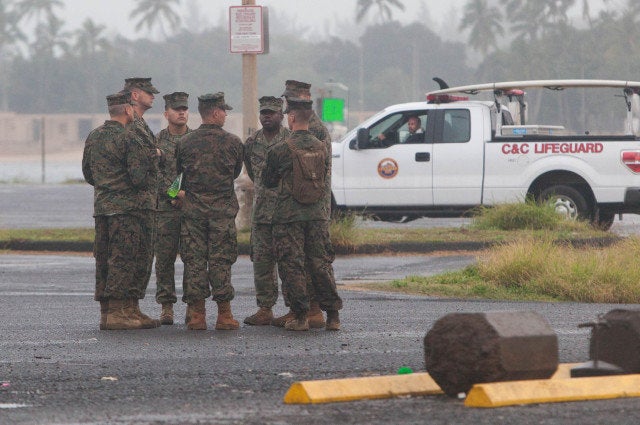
[[168, 222], [320, 132], [301, 232], [123, 171], [106, 132], [144, 134], [262, 255], [210, 158]]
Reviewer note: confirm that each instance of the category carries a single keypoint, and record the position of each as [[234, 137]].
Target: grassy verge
[[341, 237], [80, 234], [501, 224], [40, 235], [505, 223], [535, 264], [538, 269]]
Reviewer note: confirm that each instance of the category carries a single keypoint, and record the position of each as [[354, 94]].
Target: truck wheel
[[567, 201], [604, 221]]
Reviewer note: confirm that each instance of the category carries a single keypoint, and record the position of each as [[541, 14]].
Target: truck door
[[394, 167], [458, 156]]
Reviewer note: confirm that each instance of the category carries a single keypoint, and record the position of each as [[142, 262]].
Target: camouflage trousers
[[166, 250], [208, 248], [101, 254], [304, 252], [123, 250], [145, 254], [265, 278]]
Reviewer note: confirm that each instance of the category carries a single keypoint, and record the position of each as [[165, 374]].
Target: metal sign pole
[[42, 150]]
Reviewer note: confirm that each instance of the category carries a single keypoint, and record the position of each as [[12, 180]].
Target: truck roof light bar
[[445, 98]]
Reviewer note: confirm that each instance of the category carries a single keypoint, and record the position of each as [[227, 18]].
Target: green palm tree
[[532, 17], [483, 21], [152, 13], [89, 39], [50, 42], [10, 34], [9, 30], [384, 6], [40, 10], [89, 45], [50, 39]]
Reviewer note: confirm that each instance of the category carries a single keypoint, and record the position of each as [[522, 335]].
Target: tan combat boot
[[166, 316], [119, 316], [264, 316], [315, 317], [147, 321], [187, 315], [197, 316], [225, 321], [333, 320], [298, 323], [104, 309], [280, 321]]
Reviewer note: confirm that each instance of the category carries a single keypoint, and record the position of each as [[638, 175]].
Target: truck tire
[[604, 221], [567, 201]]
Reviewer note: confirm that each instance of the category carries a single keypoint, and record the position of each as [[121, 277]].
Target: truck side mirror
[[362, 139]]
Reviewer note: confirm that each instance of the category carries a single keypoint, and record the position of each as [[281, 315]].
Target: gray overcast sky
[[321, 15], [324, 17]]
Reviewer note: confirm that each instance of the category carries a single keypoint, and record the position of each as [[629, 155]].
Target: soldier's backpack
[[308, 172]]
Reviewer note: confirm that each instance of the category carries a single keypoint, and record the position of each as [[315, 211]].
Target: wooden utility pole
[[249, 125], [249, 88]]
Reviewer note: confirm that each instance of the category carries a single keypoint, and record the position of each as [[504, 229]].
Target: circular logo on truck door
[[388, 168]]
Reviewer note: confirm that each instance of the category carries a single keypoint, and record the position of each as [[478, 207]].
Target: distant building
[[21, 133]]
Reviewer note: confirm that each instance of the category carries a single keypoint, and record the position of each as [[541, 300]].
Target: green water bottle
[[175, 187]]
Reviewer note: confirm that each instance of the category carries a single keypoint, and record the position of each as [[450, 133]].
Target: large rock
[[462, 349], [617, 340]]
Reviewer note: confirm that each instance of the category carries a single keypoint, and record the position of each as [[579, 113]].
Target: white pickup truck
[[471, 153]]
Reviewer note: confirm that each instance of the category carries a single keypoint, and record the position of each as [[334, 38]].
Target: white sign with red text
[[246, 34]]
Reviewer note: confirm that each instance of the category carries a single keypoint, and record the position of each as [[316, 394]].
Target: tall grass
[[343, 231], [606, 275], [527, 215]]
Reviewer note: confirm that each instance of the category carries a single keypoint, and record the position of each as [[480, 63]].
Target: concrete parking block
[[501, 394], [349, 389]]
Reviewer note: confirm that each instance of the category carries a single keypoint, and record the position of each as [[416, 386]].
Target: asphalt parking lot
[[56, 367]]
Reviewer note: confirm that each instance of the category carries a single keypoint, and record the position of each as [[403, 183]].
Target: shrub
[[527, 215], [343, 230]]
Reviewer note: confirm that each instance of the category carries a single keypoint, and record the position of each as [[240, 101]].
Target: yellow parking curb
[[553, 390], [375, 387], [349, 389], [564, 370]]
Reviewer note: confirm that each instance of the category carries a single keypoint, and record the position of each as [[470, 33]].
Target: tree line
[[58, 71]]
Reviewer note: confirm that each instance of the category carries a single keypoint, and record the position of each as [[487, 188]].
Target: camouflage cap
[[214, 99], [175, 100], [297, 104], [270, 103], [121, 98], [140, 83], [293, 88]]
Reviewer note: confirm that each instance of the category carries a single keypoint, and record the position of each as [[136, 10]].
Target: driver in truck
[[416, 134]]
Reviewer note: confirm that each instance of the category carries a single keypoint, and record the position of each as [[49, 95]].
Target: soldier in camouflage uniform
[[210, 159], [142, 96], [176, 111], [300, 230], [122, 170], [264, 265], [302, 90]]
